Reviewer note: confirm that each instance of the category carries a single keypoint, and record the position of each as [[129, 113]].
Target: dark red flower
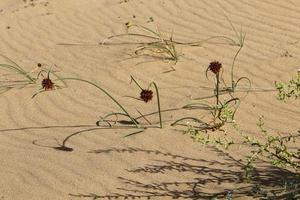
[[146, 95], [215, 67], [47, 84]]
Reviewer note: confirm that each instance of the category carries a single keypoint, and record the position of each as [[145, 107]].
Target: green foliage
[[206, 139], [288, 90]]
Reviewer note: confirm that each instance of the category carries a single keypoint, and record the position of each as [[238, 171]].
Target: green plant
[[222, 112], [48, 84], [274, 148], [44, 81], [288, 90], [205, 139]]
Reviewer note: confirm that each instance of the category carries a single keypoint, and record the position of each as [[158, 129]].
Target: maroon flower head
[[215, 67], [146, 95], [47, 84]]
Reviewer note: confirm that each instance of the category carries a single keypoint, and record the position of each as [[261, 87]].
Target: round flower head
[[47, 84], [215, 67], [146, 95]]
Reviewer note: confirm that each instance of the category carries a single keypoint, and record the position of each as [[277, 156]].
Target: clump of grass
[[162, 47], [165, 47]]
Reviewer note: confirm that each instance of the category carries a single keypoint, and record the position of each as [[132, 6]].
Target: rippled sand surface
[[158, 163]]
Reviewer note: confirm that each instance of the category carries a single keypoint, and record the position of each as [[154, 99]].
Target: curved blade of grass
[[244, 78], [107, 94]]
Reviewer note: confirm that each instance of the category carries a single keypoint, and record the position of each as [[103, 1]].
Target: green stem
[[158, 104], [136, 82], [217, 87]]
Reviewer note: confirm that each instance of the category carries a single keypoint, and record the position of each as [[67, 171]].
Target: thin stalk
[[144, 117], [158, 103], [217, 87], [132, 79], [232, 68], [105, 92]]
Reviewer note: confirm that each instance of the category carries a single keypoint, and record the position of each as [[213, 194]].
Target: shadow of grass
[[225, 175]]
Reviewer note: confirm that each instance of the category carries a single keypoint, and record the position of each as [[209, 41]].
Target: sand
[[158, 163]]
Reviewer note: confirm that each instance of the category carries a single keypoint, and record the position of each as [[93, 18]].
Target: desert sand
[[158, 163]]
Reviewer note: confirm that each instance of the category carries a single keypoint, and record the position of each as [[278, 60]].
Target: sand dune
[[156, 164]]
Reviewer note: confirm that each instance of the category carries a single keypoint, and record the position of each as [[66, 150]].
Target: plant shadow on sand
[[63, 146], [206, 174]]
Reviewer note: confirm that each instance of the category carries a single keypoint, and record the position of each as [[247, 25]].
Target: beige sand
[[156, 164]]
